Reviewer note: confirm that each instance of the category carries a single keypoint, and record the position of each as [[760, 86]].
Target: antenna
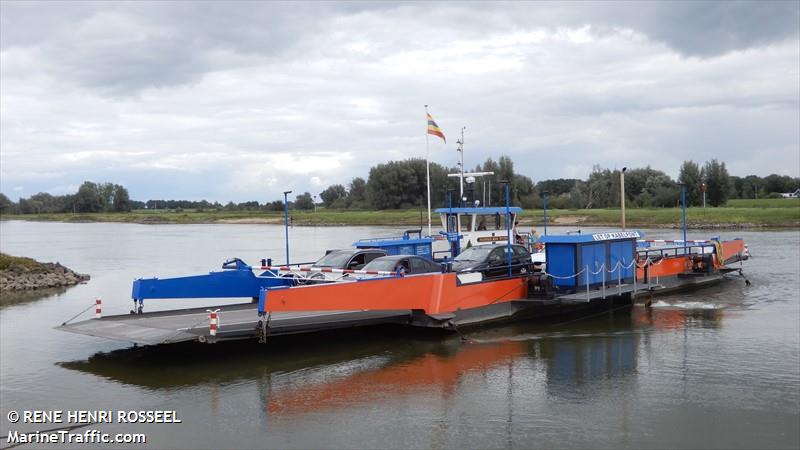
[[460, 149]]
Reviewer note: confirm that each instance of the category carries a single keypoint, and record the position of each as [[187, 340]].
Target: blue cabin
[[594, 256], [405, 245]]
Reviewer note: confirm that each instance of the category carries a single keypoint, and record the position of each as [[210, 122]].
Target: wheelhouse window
[[491, 222], [466, 222]]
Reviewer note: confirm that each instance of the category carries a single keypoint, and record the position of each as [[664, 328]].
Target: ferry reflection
[[430, 372], [304, 374], [573, 356]]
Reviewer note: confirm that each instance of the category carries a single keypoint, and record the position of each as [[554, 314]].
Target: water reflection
[[304, 374], [21, 297], [677, 315], [437, 371]]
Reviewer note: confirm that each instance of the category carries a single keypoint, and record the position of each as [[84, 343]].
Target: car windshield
[[381, 264], [334, 259], [475, 253]]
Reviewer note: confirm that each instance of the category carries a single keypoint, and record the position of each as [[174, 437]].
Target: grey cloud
[[174, 43], [710, 28], [237, 85]]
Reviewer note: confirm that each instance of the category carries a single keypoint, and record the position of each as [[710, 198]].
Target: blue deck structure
[[596, 257], [405, 245], [236, 280]]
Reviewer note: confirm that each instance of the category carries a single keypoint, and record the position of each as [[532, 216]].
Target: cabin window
[[466, 223], [482, 223], [451, 223], [491, 222]]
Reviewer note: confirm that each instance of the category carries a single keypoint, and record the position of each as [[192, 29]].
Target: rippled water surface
[[716, 368]]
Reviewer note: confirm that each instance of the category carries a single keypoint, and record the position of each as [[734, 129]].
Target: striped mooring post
[[213, 322], [98, 308]]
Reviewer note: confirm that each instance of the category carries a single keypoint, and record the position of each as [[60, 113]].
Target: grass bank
[[771, 213], [20, 263]]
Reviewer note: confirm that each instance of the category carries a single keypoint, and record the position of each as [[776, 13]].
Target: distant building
[[795, 194]]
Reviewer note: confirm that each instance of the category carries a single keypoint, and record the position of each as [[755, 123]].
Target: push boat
[[582, 271]]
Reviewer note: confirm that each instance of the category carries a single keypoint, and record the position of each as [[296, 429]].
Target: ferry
[[584, 271], [574, 272]]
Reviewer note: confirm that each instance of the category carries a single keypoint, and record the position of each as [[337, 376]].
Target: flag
[[434, 129]]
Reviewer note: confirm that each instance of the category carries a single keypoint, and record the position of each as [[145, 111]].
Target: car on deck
[[491, 260], [348, 259], [409, 264]]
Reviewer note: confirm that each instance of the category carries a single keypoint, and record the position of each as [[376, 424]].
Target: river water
[[717, 368]]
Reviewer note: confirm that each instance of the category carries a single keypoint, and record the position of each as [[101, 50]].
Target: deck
[[235, 322]]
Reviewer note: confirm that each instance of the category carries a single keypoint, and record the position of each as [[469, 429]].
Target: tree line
[[402, 185], [90, 197]]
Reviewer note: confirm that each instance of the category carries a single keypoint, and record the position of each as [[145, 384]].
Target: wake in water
[[687, 305]]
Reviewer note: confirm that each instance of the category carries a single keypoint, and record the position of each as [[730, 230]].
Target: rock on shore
[[23, 274]]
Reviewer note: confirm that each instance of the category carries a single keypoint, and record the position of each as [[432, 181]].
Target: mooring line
[[77, 315]]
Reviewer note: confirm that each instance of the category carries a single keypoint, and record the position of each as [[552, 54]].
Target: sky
[[241, 101]]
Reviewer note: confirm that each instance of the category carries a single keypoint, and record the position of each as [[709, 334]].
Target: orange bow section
[[433, 293]]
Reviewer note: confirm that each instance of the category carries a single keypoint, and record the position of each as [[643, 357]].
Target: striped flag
[[434, 129]]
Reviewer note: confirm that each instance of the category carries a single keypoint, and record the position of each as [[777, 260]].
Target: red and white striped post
[[213, 322], [98, 308]]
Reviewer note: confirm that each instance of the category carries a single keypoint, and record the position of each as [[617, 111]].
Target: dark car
[[491, 259], [410, 264], [351, 258]]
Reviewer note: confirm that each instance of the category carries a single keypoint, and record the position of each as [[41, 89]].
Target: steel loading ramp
[[235, 322]]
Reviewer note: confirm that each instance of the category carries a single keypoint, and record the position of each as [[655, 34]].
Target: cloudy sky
[[240, 101]]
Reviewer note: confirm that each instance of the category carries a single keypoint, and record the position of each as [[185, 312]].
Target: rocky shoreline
[[25, 274]]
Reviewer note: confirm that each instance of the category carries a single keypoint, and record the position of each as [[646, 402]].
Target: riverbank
[[763, 214], [25, 274]]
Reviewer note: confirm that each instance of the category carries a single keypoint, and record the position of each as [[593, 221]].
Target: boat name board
[[492, 238], [615, 235]]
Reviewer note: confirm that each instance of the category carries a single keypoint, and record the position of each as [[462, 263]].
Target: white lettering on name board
[[616, 235]]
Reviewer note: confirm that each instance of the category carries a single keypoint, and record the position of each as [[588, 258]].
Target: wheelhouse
[[477, 219]]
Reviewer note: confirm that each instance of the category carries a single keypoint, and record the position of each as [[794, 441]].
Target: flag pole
[[428, 168]]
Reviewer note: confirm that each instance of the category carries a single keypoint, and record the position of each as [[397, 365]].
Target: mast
[[428, 169], [460, 149]]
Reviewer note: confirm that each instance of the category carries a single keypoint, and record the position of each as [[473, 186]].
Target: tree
[[402, 184], [275, 205], [603, 186], [332, 193], [662, 189], [778, 183], [88, 198], [357, 194], [718, 182], [691, 176], [304, 201], [6, 205], [751, 185], [105, 194], [558, 186], [122, 201]]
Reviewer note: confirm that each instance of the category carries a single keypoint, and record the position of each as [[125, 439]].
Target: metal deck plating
[[236, 322]]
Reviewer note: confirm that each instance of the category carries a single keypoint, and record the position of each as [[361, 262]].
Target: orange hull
[[673, 265], [732, 248], [666, 267], [432, 293], [439, 293]]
